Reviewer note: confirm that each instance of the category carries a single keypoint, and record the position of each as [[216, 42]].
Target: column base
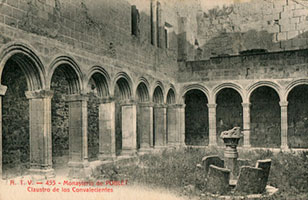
[[246, 146], [285, 148], [128, 152], [79, 170], [145, 150], [106, 157], [41, 174]]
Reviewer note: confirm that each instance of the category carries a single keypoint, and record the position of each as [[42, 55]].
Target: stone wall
[[273, 25], [279, 65]]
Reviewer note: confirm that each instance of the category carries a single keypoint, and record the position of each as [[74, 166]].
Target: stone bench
[[218, 180], [253, 180], [211, 160]]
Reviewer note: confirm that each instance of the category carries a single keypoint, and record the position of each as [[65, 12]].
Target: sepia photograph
[[154, 99]]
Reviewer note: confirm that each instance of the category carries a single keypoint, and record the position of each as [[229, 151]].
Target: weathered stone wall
[[279, 65], [273, 25], [93, 32]]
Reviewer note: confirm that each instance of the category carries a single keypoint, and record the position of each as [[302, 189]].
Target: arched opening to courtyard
[[159, 119], [298, 117], [229, 112], [144, 117], [64, 83], [171, 118], [21, 74], [196, 118], [98, 89], [265, 118], [122, 93]]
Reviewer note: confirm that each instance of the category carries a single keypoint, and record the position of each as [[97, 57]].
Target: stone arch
[[233, 86], [158, 94], [194, 87], [125, 84], [256, 85], [196, 116], [229, 111], [70, 70], [101, 79], [142, 90], [28, 61], [171, 96], [292, 85], [265, 117], [297, 97]]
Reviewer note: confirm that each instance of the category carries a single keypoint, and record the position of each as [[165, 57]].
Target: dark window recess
[[135, 21], [166, 38]]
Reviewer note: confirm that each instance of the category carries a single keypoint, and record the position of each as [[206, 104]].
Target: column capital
[[104, 100], [39, 94], [283, 104], [246, 105], [128, 102], [211, 105], [76, 97], [146, 104], [179, 105], [157, 105], [3, 89]]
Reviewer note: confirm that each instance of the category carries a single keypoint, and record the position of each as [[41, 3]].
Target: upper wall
[[273, 25], [92, 28]]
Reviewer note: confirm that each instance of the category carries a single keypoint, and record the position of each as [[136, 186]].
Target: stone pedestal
[[107, 129], [231, 139], [129, 126], [40, 133], [145, 126], [230, 161], [159, 126], [246, 124], [212, 124], [284, 125], [78, 141], [2, 93]]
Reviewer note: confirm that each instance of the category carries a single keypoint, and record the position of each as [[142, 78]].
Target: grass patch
[[177, 170]]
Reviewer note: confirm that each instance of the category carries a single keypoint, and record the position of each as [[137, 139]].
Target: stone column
[[212, 125], [172, 126], [2, 93], [181, 113], [145, 126], [246, 124], [78, 140], [160, 126], [129, 129], [107, 129], [40, 132], [284, 124]]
